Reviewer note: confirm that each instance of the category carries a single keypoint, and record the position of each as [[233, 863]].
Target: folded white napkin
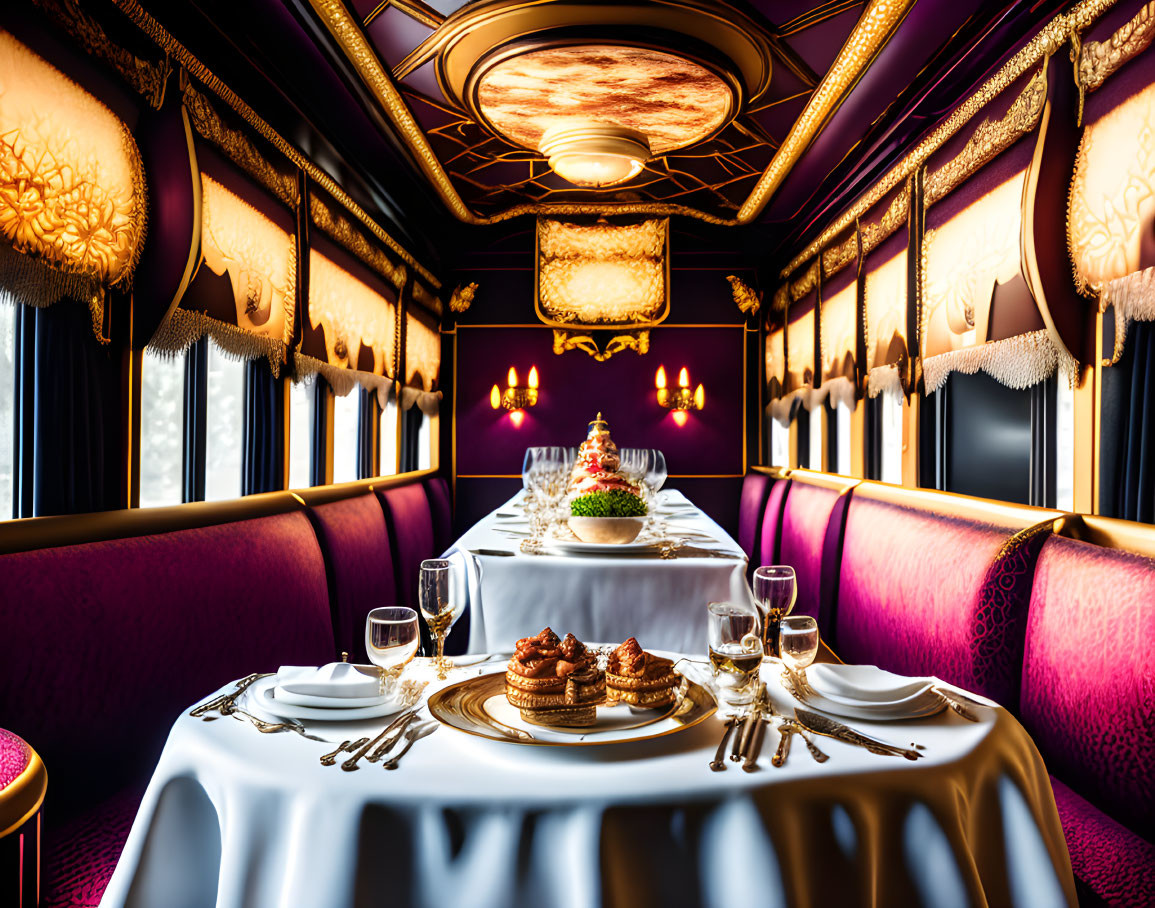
[[339, 680], [864, 683]]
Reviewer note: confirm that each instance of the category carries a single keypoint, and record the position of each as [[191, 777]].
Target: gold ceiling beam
[[1047, 40]]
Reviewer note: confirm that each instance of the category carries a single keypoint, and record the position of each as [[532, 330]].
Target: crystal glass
[[775, 589], [798, 641], [735, 638], [655, 470], [438, 607], [391, 639]]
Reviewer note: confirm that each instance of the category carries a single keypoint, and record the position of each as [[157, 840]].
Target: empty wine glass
[[391, 639], [798, 641], [655, 470], [438, 607], [775, 589], [735, 639]]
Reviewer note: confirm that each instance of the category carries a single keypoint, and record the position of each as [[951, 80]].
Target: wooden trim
[[1088, 430], [953, 505], [1125, 535], [318, 495]]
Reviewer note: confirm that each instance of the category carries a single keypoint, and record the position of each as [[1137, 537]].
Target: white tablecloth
[[233, 817], [608, 598]]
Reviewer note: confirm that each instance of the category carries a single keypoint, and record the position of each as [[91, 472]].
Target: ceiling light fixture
[[595, 154]]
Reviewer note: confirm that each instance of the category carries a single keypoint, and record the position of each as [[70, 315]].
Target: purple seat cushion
[[1112, 865], [805, 517], [355, 541], [411, 528], [81, 853], [770, 530], [441, 508], [105, 643], [921, 592], [1089, 675], [751, 506]]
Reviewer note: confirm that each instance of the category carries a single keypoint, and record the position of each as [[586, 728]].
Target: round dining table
[[237, 817]]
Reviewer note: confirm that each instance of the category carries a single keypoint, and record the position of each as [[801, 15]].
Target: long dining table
[[658, 593]]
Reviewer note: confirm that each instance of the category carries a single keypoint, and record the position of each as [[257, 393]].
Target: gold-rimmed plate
[[477, 706]]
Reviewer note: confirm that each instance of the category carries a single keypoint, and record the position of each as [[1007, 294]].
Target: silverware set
[[745, 734], [405, 729]]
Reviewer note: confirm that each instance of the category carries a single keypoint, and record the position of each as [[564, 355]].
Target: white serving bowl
[[611, 530]]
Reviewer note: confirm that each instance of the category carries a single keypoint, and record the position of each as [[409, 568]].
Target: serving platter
[[576, 546], [477, 706]]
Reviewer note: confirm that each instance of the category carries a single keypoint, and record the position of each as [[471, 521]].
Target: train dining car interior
[[577, 453]]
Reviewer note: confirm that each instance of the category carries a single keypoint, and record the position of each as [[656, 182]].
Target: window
[[891, 426], [1065, 446], [842, 435], [346, 436], [224, 425], [779, 444], [389, 438], [301, 434], [162, 395], [426, 440], [817, 437], [8, 315]]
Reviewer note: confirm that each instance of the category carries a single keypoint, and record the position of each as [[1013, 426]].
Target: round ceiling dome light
[[595, 154]]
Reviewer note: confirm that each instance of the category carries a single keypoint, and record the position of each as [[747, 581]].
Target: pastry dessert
[[605, 506], [639, 678], [555, 682], [597, 466]]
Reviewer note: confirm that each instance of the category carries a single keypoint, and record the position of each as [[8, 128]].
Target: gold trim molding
[[342, 231], [462, 297], [1046, 41], [1099, 59], [635, 340], [746, 299], [160, 36]]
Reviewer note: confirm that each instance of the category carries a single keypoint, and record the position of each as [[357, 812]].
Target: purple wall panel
[[574, 387]]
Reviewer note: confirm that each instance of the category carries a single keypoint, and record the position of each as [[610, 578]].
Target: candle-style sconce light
[[681, 399], [515, 397]]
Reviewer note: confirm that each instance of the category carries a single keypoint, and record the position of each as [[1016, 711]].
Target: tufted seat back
[[138, 627], [811, 501], [751, 506], [936, 584], [359, 561], [441, 510]]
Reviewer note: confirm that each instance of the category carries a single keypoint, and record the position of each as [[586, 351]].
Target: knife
[[823, 725], [755, 747]]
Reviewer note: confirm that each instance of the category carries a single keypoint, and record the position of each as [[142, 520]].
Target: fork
[[411, 736]]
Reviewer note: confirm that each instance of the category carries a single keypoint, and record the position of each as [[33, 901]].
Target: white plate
[[865, 684], [262, 692], [577, 547], [294, 699]]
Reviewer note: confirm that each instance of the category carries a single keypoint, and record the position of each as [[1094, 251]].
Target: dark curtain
[[69, 419], [263, 459], [410, 428], [320, 432], [366, 463], [196, 394], [1134, 494]]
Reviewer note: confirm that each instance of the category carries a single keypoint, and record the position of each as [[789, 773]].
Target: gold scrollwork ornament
[[635, 340], [746, 299], [462, 297]]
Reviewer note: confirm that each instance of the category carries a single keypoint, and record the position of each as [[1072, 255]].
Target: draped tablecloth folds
[[233, 817], [611, 598]]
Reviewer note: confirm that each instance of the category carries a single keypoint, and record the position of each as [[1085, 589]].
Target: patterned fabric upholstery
[[751, 506], [14, 757], [441, 508], [926, 593], [411, 529], [81, 853], [222, 601], [359, 562], [1112, 865], [805, 517], [768, 534], [1089, 676]]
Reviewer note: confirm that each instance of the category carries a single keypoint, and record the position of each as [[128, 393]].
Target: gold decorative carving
[[873, 233], [1099, 59], [73, 198], [838, 257], [345, 234], [805, 284], [147, 78], [424, 297], [462, 297], [746, 299], [237, 147], [146, 23], [635, 340], [1047, 40], [781, 298]]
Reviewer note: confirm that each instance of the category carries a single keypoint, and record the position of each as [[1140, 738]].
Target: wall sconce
[[680, 400], [515, 398]]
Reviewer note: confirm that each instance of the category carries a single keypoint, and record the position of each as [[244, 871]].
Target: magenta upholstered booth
[[358, 560], [441, 509], [937, 584], [151, 614], [751, 506], [770, 532], [1088, 699], [812, 500], [411, 531]]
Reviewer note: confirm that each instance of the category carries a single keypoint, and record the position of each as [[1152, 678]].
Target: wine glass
[[775, 589], [655, 470], [438, 607], [735, 638], [798, 641], [391, 639]]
